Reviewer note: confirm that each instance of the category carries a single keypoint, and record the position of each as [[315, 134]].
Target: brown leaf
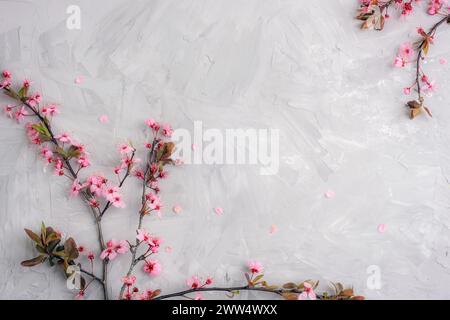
[[346, 292], [290, 296], [155, 293], [33, 262], [70, 249], [33, 236], [414, 104], [414, 113], [425, 47], [289, 285]]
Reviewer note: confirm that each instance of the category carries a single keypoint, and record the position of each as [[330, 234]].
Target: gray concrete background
[[303, 67]]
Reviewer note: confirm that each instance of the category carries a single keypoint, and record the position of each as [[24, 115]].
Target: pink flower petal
[[218, 211], [79, 79], [177, 209], [330, 194], [273, 229], [442, 61], [169, 249], [381, 228], [194, 146], [103, 118]]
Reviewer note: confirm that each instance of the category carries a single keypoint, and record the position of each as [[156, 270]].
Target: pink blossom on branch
[[255, 267], [308, 292], [113, 248], [152, 267]]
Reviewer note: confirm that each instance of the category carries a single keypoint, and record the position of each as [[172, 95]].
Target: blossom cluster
[[371, 13]]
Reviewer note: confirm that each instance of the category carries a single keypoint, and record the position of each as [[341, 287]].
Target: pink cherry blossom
[[407, 91], [442, 61], [198, 296], [63, 137], [146, 295], [208, 281], [193, 282], [76, 188], [6, 74], [122, 246], [108, 253], [399, 62], [83, 161], [103, 118], [255, 267], [46, 153], [32, 134], [177, 209], [91, 256], [94, 203], [273, 229], [138, 173], [154, 202], [78, 79], [8, 109], [117, 201], [80, 295], [129, 280], [218, 211], [406, 51], [96, 184], [34, 99], [143, 236], [434, 6], [152, 124], [308, 292], [5, 83], [152, 267], [169, 249], [26, 83], [167, 130], [20, 114], [330, 194], [50, 110], [113, 248], [110, 193], [381, 228], [125, 149]]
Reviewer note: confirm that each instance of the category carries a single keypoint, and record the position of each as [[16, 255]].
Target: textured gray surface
[[301, 66]]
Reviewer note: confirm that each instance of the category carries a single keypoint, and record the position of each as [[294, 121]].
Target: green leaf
[[259, 277], [42, 129], [33, 262], [23, 92], [43, 232]]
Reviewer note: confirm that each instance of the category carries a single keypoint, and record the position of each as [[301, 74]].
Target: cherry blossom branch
[[423, 50], [402, 59], [134, 248], [122, 181], [231, 290], [46, 124]]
